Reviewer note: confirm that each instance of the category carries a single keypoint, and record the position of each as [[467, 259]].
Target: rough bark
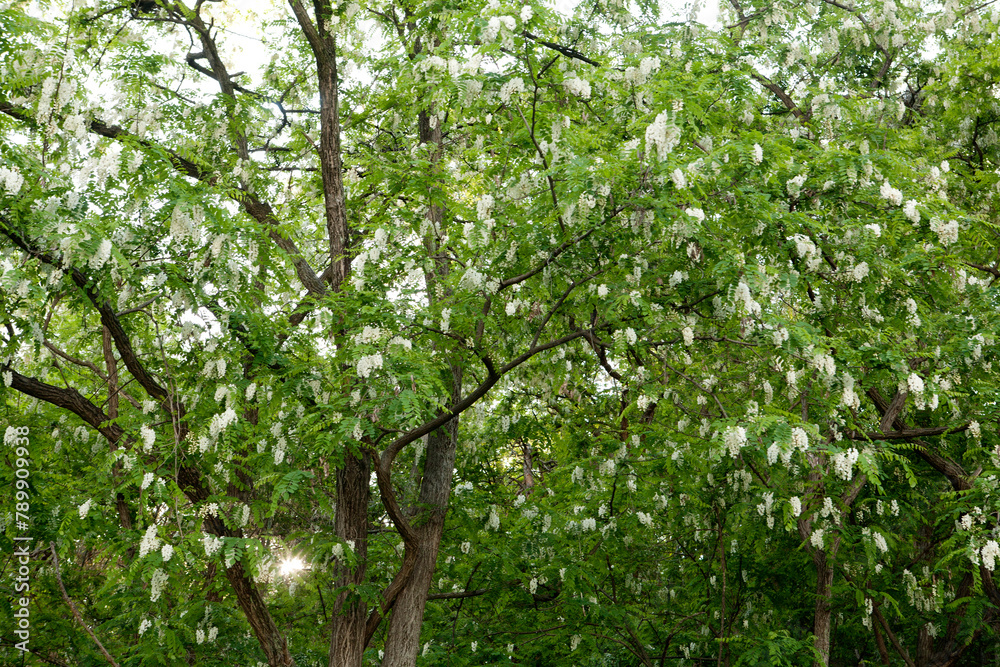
[[821, 618], [350, 613]]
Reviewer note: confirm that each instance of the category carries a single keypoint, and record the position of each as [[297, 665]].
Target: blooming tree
[[685, 335]]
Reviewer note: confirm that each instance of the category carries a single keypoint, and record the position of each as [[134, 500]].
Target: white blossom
[[860, 272], [150, 542], [167, 552], [578, 87], [910, 210], [758, 154], [212, 544], [794, 185], [677, 176], [147, 479], [156, 583], [688, 334], [144, 625], [800, 439], [795, 504], [891, 194], [843, 463], [947, 231], [989, 554], [148, 437], [368, 363], [220, 422], [84, 509], [662, 136], [735, 437], [817, 538], [102, 255]]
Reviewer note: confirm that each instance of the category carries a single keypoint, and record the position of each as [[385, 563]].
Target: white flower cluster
[[795, 504], [494, 26], [185, 224], [975, 430], [817, 538], [638, 75], [947, 231], [590, 523], [167, 552], [369, 363], [150, 542], [100, 258], [843, 463], [688, 334], [368, 335], [220, 422], [911, 308], [742, 295], [493, 523], [144, 625], [794, 186], [891, 194], [850, 398], [859, 272], [645, 519], [910, 210], [212, 544], [800, 439], [679, 179], [758, 154], [735, 438], [214, 368], [156, 583], [84, 509], [576, 86], [879, 540], [11, 179], [515, 85], [147, 479], [662, 135], [148, 437], [990, 552]]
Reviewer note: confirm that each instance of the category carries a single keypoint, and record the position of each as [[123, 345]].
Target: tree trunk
[[347, 640], [403, 639], [821, 619], [272, 642]]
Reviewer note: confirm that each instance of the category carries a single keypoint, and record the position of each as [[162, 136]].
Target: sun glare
[[291, 566]]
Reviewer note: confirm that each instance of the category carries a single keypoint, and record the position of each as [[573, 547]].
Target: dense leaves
[[529, 336]]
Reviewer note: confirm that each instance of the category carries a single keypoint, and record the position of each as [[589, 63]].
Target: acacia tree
[[708, 285]]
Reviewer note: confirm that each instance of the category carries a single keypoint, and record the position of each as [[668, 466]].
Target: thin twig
[[76, 614]]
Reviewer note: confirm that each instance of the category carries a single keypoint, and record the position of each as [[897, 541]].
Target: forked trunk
[[403, 639]]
